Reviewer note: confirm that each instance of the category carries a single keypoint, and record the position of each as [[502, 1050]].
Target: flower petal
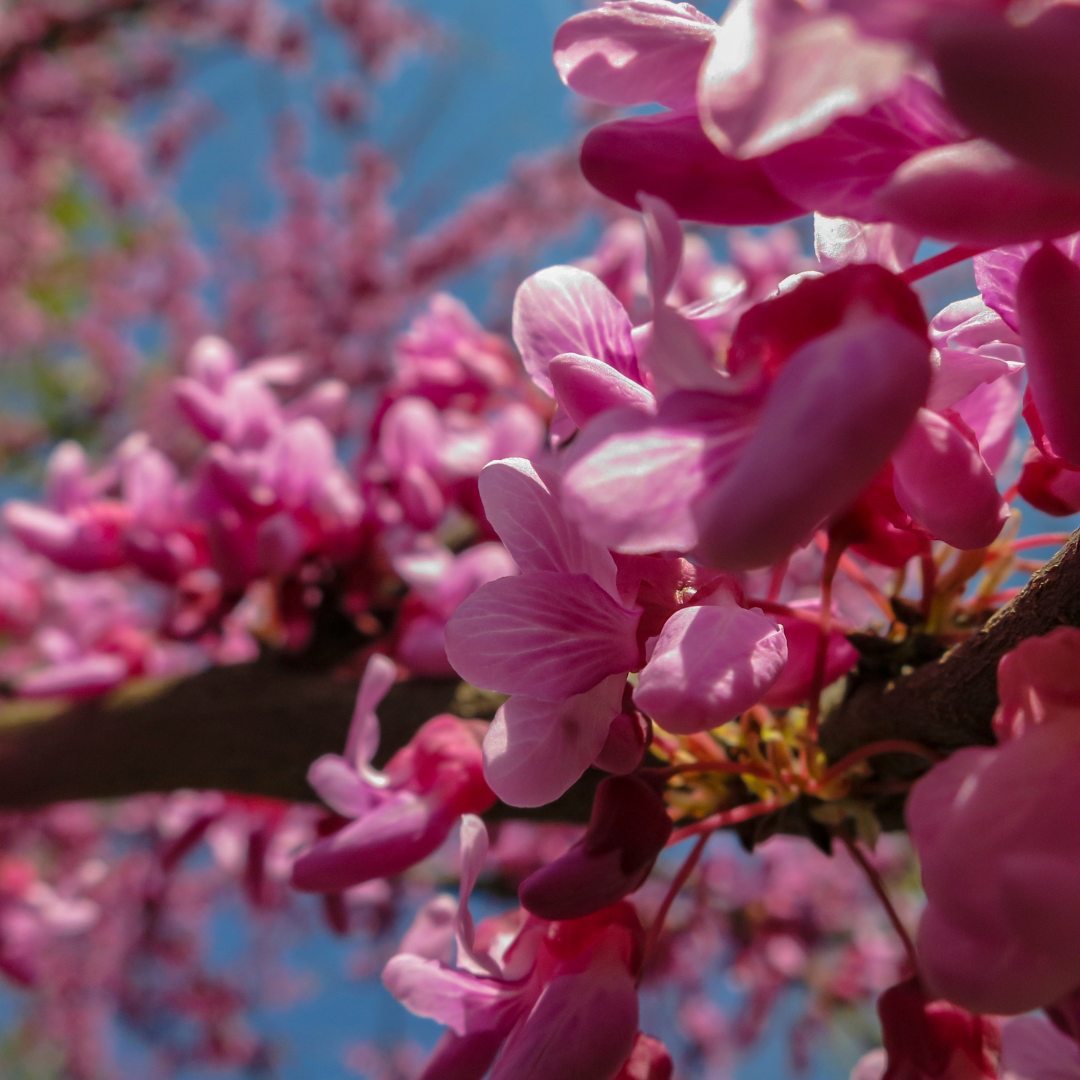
[[634, 52], [546, 635], [534, 750], [710, 664], [566, 310]]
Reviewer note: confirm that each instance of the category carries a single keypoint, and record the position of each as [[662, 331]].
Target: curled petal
[[566, 310], [585, 387], [709, 666], [633, 52]]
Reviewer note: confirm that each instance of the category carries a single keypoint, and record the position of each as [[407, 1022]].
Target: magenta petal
[[796, 680], [709, 666], [973, 193], [566, 310], [941, 480], [838, 409], [585, 387], [633, 52], [1048, 302], [522, 506], [465, 1003], [669, 156], [463, 1057], [534, 750], [395, 835], [547, 635], [1019, 86], [583, 1025], [628, 829], [839, 172]]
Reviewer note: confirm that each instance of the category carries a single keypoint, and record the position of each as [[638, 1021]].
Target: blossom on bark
[[398, 816]]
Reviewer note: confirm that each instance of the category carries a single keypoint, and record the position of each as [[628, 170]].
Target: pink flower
[[399, 816], [529, 999], [561, 638], [1001, 817]]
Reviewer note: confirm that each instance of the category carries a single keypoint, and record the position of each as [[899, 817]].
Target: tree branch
[[950, 703]]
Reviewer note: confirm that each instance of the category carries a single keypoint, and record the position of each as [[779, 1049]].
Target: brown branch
[[951, 703]]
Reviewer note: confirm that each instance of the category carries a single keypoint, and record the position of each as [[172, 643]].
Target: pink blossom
[[999, 813], [530, 999], [399, 816]]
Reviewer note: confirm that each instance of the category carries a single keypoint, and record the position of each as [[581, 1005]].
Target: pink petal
[[1048, 303], [339, 786], [634, 52], [669, 156], [566, 310], [991, 411], [663, 246], [796, 680], [772, 79], [633, 481], [534, 750], [585, 387], [941, 480], [709, 666], [839, 241], [363, 738], [840, 171], [838, 409], [464, 1002], [522, 506], [463, 1057], [547, 635], [1032, 1048], [583, 1025], [973, 193], [1018, 85], [474, 849], [396, 834]]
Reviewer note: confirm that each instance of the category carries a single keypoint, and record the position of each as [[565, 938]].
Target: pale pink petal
[[1032, 1048], [522, 505], [958, 372], [991, 411], [839, 241], [339, 786], [668, 155], [474, 849], [583, 1025], [634, 52], [663, 246], [585, 387], [1048, 303], [709, 666], [566, 310], [464, 1002], [941, 480], [974, 193], [431, 934], [633, 481], [772, 79], [838, 409], [534, 750], [547, 635], [363, 739]]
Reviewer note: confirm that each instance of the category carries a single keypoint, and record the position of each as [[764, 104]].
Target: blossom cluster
[[708, 502]]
